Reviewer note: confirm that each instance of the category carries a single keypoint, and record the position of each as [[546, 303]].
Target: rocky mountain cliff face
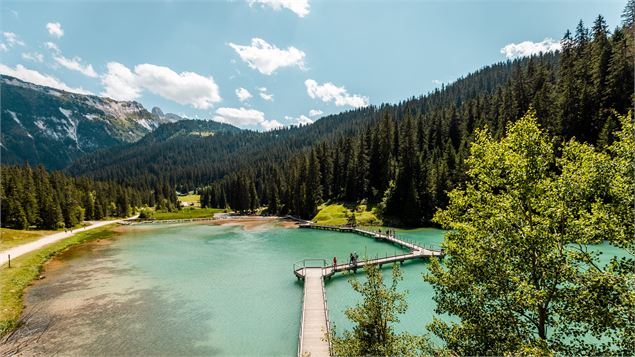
[[165, 118], [48, 126]]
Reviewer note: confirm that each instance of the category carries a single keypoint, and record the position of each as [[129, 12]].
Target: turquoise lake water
[[199, 289], [202, 289]]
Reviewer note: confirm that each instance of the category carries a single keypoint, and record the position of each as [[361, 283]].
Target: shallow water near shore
[[201, 289], [197, 289]]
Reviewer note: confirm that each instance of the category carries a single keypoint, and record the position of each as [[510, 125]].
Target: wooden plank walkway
[[379, 236], [315, 322], [329, 271]]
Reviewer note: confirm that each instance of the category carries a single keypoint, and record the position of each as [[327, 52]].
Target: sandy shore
[[254, 222]]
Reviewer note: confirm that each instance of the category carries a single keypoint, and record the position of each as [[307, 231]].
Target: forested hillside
[[189, 156], [190, 160], [50, 200], [189, 150], [408, 156]]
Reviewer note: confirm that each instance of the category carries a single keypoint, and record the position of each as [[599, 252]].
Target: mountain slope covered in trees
[[196, 159], [413, 153], [49, 200], [193, 161]]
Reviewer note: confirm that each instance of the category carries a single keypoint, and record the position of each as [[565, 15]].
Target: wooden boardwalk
[[413, 247], [328, 271], [315, 323], [315, 320]]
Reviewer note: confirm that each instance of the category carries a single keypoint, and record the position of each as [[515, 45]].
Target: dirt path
[[35, 245]]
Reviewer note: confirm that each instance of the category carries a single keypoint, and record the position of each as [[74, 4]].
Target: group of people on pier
[[389, 232], [353, 258]]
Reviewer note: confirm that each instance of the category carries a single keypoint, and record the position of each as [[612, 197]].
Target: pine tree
[[28, 199], [274, 200], [404, 202], [254, 202], [313, 186]]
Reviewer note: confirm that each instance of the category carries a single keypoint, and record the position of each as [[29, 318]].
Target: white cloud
[[36, 77], [265, 95], [528, 48], [187, 88], [120, 83], [267, 58], [437, 81], [245, 117], [3, 47], [328, 92], [239, 116], [55, 29], [75, 64], [299, 7], [271, 124], [301, 120], [243, 94], [33, 56], [12, 39], [184, 88], [315, 112], [52, 46]]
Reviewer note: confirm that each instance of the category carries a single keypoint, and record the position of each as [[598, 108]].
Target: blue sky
[[294, 60]]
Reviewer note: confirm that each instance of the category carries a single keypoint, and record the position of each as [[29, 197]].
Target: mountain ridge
[[44, 125]]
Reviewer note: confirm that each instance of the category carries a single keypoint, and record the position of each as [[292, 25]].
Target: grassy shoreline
[[26, 268], [338, 213], [186, 213], [10, 238]]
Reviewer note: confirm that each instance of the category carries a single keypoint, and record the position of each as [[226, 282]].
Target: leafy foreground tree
[[519, 272], [374, 317]]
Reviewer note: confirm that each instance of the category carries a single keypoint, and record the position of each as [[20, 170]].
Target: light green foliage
[[194, 199], [518, 274], [338, 214], [146, 213], [374, 317], [187, 213]]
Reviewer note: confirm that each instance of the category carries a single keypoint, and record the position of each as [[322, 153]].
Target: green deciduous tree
[[519, 273], [374, 318]]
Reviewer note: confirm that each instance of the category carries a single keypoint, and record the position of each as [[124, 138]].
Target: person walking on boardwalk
[[334, 262], [354, 261]]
